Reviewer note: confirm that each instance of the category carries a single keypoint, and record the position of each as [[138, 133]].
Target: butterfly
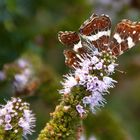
[[95, 33]]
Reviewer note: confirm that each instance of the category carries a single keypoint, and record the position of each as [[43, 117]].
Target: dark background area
[[28, 29]]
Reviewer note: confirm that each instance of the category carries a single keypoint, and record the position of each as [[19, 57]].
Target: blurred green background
[[28, 30]]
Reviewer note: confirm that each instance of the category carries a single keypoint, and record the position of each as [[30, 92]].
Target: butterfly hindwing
[[72, 59], [125, 36]]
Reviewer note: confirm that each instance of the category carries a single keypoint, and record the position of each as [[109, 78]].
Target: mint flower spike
[[94, 74], [92, 54], [16, 118]]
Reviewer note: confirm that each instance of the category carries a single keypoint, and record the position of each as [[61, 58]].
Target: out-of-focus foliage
[[28, 29]]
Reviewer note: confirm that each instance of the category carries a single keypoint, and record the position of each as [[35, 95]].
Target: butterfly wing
[[75, 48], [96, 30], [72, 59], [68, 38], [125, 36]]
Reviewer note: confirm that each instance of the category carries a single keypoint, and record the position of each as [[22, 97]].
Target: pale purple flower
[[22, 63], [8, 126], [14, 100], [82, 75], [30, 118], [109, 81], [21, 78], [9, 107], [68, 83], [97, 101], [93, 83], [3, 111], [7, 118], [94, 59], [102, 87], [85, 64], [27, 122], [20, 81], [2, 76], [86, 100], [27, 72], [99, 65], [80, 109], [25, 125], [111, 68]]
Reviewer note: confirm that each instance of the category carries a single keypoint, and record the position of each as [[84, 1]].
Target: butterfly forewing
[[97, 31], [126, 35]]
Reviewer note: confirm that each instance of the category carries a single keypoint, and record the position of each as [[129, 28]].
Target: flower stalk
[[83, 91]]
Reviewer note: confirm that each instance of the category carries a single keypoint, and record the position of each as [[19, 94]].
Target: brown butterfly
[[96, 33]]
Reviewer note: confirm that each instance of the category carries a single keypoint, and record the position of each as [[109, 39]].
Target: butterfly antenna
[[123, 72]]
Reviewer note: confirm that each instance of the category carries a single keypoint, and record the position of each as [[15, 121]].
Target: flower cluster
[[16, 117], [22, 79], [93, 73]]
